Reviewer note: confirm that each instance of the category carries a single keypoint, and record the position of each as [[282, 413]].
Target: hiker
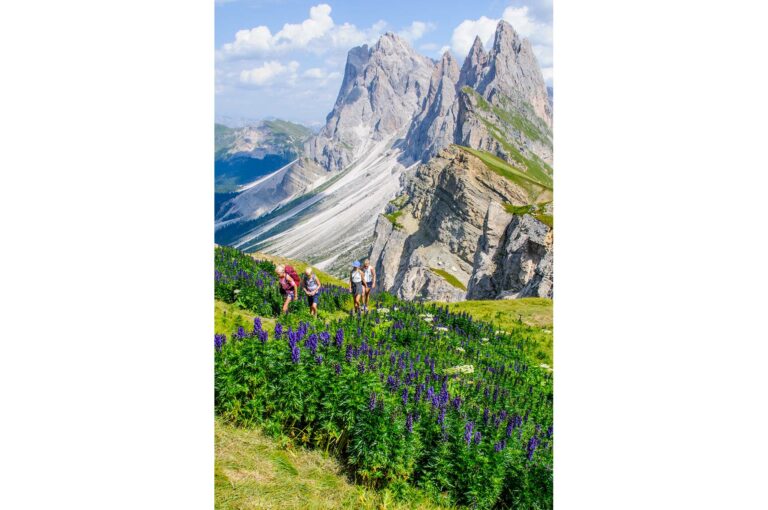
[[311, 286], [357, 284], [288, 286], [370, 281]]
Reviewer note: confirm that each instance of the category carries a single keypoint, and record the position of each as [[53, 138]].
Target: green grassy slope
[[507, 314], [252, 471]]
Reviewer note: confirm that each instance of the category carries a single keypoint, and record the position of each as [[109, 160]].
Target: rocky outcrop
[[427, 247], [513, 258]]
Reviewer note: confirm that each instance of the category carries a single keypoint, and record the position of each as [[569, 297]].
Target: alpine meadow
[[384, 279]]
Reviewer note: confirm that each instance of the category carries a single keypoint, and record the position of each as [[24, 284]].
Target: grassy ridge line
[[501, 167], [253, 471]]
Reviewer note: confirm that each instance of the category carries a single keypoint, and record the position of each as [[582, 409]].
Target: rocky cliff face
[[435, 125], [383, 89], [467, 224], [443, 237], [513, 257]]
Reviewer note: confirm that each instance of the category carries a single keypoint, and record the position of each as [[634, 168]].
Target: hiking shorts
[[357, 288], [370, 284], [313, 300], [289, 294]]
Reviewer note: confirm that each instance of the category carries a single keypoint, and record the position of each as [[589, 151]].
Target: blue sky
[[285, 58]]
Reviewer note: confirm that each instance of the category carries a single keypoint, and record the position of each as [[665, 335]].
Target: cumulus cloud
[[416, 31], [266, 73], [315, 34], [464, 34]]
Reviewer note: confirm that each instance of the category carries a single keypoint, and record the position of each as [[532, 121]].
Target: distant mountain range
[[441, 174]]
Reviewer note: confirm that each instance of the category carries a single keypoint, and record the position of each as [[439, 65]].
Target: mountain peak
[[506, 38], [390, 43], [477, 47]]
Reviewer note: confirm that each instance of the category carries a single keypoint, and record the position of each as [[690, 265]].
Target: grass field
[[252, 471], [506, 314]]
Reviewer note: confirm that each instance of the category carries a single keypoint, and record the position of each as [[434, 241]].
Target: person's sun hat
[[356, 263]]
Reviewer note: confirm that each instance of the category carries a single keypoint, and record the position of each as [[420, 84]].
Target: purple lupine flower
[[263, 335], [311, 343], [468, 432], [219, 341], [419, 389], [478, 437], [457, 403], [441, 418], [325, 338], [409, 423], [361, 367], [278, 330], [348, 355], [444, 397], [510, 427], [257, 324], [295, 353], [405, 396], [372, 402], [485, 416], [339, 337], [319, 359], [549, 431], [430, 394], [532, 444], [337, 368], [240, 333]]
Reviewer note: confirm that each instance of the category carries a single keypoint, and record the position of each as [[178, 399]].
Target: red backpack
[[290, 271]]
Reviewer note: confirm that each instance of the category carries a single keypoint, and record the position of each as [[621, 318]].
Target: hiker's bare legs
[[285, 305]]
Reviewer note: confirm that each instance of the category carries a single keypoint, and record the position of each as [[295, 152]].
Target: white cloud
[[416, 31], [524, 23], [268, 71], [316, 34], [464, 34]]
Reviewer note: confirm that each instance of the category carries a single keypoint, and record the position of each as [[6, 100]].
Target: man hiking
[[370, 281], [357, 284], [311, 286], [288, 286]]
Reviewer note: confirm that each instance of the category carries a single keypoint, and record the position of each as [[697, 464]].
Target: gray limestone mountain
[[450, 237], [392, 144], [323, 207], [476, 222]]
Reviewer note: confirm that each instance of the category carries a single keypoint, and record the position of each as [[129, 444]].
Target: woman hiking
[[370, 281], [288, 286], [357, 284], [311, 287]]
